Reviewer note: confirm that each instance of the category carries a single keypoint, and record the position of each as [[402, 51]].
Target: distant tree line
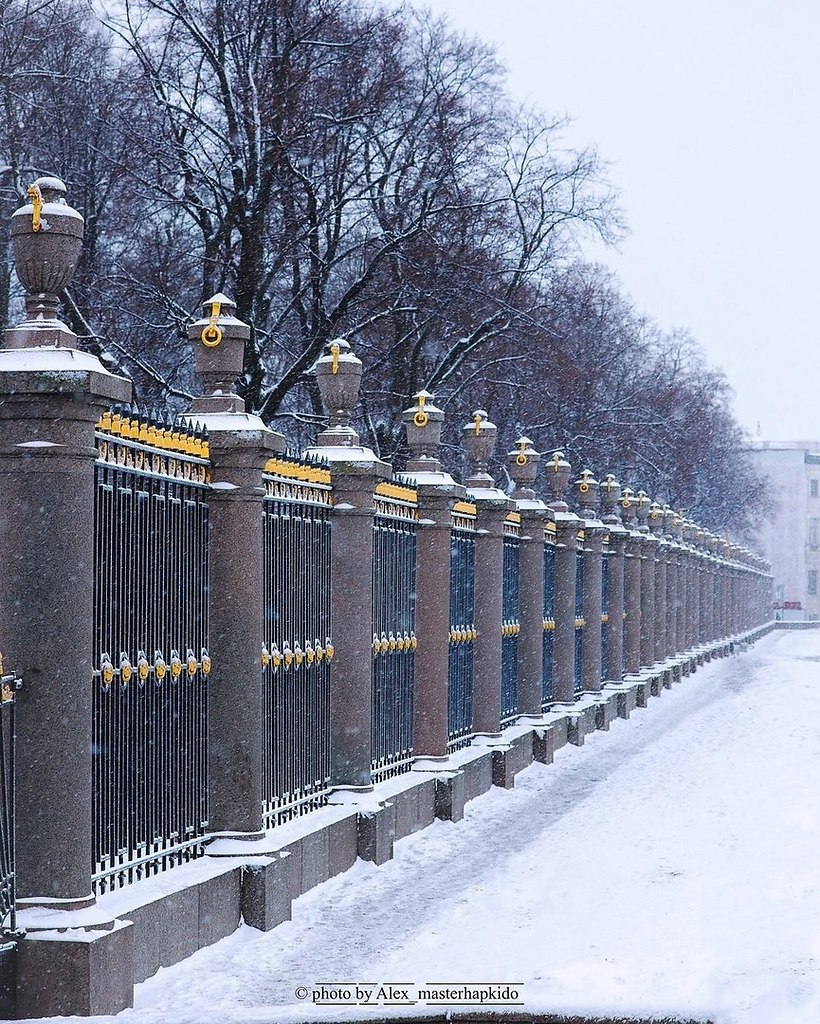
[[339, 167]]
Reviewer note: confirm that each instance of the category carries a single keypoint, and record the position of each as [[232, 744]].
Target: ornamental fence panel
[[579, 614], [510, 627], [298, 650], [150, 697], [394, 620], [462, 627], [549, 618], [606, 668], [9, 685]]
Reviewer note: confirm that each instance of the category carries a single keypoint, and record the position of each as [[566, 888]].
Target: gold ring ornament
[[211, 333], [206, 662], [176, 665], [420, 417]]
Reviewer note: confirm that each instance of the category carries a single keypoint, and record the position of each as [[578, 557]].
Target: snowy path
[[671, 865]]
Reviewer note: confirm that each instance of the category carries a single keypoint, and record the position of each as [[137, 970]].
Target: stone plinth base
[[87, 972], [543, 744], [450, 793]]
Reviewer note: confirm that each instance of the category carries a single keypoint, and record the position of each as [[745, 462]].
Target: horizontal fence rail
[[462, 626], [297, 655], [394, 620], [150, 704]]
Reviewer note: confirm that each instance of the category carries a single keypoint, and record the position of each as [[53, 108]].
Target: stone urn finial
[[478, 439], [586, 495], [47, 236], [339, 375], [218, 340], [522, 464], [423, 423], [668, 522], [558, 472], [610, 493], [642, 503], [628, 508], [656, 519], [689, 530]]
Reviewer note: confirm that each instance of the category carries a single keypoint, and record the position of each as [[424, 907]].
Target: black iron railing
[[462, 627], [579, 612], [298, 649], [606, 668], [9, 936], [150, 704], [394, 620], [511, 626], [549, 617], [9, 684]]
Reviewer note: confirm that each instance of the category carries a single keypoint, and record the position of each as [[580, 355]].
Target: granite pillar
[[610, 501], [51, 395], [437, 493], [239, 446], [355, 472]]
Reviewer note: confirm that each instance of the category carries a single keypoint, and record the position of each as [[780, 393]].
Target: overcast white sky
[[709, 113]]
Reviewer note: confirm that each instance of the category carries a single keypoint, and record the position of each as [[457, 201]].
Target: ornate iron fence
[[150, 704], [510, 627], [9, 684], [549, 616], [394, 619], [298, 650], [606, 669], [580, 622], [462, 627]]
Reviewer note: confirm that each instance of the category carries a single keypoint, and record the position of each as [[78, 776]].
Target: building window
[[814, 530], [813, 488], [812, 585]]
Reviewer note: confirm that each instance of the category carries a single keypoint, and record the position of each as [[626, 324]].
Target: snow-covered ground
[[670, 866]]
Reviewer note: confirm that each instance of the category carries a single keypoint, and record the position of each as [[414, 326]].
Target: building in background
[[790, 535]]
